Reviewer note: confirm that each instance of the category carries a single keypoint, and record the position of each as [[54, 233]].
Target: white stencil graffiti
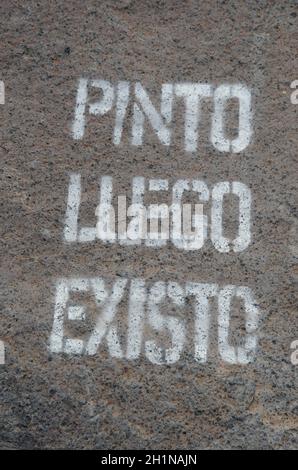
[[176, 223], [193, 94], [220, 242], [159, 121], [145, 310], [294, 94], [221, 95], [151, 327], [190, 94], [2, 353], [2, 92]]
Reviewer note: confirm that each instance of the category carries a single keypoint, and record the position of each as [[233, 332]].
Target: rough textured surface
[[56, 401]]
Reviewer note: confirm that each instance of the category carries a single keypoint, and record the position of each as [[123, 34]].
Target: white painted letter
[[158, 293], [97, 109], [159, 121], [237, 354], [73, 207], [103, 327], [242, 241], [202, 293], [57, 341], [137, 300], [186, 239], [218, 139], [192, 94]]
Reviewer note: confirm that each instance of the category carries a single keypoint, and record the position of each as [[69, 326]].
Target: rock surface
[[57, 401]]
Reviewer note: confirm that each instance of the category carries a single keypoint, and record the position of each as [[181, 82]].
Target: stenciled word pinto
[[120, 97]]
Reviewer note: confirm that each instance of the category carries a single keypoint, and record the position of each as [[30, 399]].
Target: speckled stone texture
[[49, 401]]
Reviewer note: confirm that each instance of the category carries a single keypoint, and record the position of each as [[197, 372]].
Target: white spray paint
[[136, 227], [158, 121], [294, 94], [108, 302], [161, 121], [184, 238], [121, 106], [78, 127], [187, 231], [105, 211], [72, 208], [99, 108], [221, 95], [193, 94], [2, 352], [202, 293], [57, 342], [2, 92], [294, 355], [237, 354], [105, 216], [243, 239], [136, 311], [175, 326], [144, 309], [158, 213]]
